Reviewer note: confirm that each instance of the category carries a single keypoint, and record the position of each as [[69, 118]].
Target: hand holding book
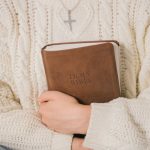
[[83, 73]]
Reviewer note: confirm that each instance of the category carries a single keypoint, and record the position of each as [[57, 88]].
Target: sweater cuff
[[61, 141], [99, 126]]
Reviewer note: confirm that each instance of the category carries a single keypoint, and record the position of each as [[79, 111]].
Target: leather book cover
[[85, 70]]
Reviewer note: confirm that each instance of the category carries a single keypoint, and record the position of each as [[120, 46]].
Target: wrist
[[76, 144]]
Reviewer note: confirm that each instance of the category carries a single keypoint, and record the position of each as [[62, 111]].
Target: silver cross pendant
[[70, 20]]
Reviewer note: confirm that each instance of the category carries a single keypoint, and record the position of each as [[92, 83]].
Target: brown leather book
[[87, 70]]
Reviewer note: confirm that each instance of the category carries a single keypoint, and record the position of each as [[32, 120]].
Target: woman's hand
[[77, 144], [63, 113]]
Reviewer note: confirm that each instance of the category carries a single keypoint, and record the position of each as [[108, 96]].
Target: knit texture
[[28, 26]]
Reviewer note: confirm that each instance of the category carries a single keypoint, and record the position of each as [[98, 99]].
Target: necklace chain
[[72, 8]]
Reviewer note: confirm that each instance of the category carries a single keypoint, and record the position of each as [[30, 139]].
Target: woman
[[26, 26]]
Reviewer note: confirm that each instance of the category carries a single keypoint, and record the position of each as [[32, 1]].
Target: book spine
[[49, 84]]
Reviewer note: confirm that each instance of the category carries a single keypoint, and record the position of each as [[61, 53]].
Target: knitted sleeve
[[21, 129], [124, 124]]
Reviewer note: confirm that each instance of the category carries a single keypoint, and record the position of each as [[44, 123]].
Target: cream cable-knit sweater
[[27, 25]]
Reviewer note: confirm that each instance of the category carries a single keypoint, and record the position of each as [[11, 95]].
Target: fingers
[[50, 95], [45, 97]]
